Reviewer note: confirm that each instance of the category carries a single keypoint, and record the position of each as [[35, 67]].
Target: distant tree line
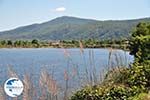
[[19, 43], [93, 43], [89, 43]]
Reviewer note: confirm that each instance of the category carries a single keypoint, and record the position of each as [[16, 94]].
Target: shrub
[[117, 75], [141, 96], [114, 92], [139, 75]]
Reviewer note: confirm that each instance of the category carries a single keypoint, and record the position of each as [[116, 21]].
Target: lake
[[58, 61]]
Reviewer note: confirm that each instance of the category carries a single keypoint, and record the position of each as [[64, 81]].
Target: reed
[[2, 94], [66, 78], [29, 90], [11, 72], [49, 87]]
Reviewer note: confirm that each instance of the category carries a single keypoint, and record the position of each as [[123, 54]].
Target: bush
[[88, 93], [114, 92], [126, 84], [141, 96], [117, 76], [139, 75]]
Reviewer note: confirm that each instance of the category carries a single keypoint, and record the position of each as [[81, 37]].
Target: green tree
[[140, 43], [139, 74], [35, 41], [9, 42], [3, 42], [17, 43]]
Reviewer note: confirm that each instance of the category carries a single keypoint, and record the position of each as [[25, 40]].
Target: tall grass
[[29, 92], [49, 88], [2, 94]]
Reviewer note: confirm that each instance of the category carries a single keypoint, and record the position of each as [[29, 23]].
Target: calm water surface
[[33, 61]]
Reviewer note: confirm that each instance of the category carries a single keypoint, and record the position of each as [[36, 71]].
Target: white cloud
[[60, 9]]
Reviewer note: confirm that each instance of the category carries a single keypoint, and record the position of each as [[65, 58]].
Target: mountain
[[65, 27]]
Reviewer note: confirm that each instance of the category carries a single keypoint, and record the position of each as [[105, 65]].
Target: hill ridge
[[68, 27]]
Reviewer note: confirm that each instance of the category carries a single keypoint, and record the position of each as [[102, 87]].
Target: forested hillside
[[69, 28]]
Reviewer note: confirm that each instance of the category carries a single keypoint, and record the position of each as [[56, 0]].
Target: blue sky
[[15, 13]]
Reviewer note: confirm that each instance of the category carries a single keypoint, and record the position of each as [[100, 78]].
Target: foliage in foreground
[[129, 83], [114, 92], [141, 96], [136, 81]]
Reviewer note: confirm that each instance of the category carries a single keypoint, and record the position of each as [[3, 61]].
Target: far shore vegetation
[[90, 43]]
